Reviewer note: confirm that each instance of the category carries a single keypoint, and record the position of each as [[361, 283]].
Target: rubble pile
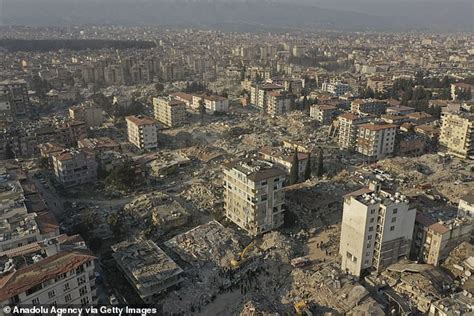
[[281, 246], [202, 195], [451, 178], [157, 209], [207, 243], [460, 263], [330, 288]]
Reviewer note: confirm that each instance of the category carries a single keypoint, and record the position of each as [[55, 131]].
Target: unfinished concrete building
[[253, 195]]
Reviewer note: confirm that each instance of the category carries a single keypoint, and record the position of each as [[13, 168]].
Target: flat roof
[[145, 262]]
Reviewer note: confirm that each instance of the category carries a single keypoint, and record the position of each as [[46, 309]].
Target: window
[[84, 301], [35, 301], [264, 198], [371, 229], [392, 228], [372, 211], [51, 294], [394, 219], [263, 183], [372, 220], [395, 211], [67, 298], [81, 280], [83, 290], [369, 237], [66, 287], [369, 245]]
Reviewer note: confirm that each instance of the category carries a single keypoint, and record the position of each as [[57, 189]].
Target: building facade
[[74, 167], [171, 113], [323, 113], [142, 132], [376, 141], [433, 240], [253, 195], [349, 130], [457, 134], [377, 229]]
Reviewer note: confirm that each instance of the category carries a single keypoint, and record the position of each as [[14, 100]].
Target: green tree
[[43, 163], [307, 170], [202, 110], [123, 177], [115, 222], [294, 168], [320, 170], [9, 153]]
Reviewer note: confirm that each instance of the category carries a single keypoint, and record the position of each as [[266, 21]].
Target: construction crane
[[241, 258], [302, 308]]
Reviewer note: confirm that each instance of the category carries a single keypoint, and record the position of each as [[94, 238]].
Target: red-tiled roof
[[19, 281]]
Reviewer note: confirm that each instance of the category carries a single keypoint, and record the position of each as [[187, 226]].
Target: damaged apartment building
[[253, 196]]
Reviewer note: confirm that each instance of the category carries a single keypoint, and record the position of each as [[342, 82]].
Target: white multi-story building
[[377, 229], [466, 206], [336, 88], [323, 113], [169, 112], [93, 116], [6, 113], [259, 94], [457, 134], [142, 132], [349, 129], [279, 103], [376, 141], [64, 278], [213, 103], [253, 195], [74, 167]]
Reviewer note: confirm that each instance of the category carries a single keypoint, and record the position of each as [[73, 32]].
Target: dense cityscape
[[191, 171]]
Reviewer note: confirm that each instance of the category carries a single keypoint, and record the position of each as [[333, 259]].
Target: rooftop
[[255, 169], [15, 282], [145, 262], [140, 120]]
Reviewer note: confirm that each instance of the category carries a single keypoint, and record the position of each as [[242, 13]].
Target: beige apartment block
[[278, 103], [349, 129], [169, 112], [434, 239], [142, 132], [377, 229], [74, 167], [253, 195], [323, 113], [93, 116], [457, 134], [376, 141]]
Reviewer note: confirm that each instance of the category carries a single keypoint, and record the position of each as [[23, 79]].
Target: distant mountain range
[[245, 15]]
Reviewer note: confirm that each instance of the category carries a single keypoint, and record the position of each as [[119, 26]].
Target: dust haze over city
[[236, 157]]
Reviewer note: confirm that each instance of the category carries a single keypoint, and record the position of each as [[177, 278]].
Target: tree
[[202, 110], [115, 222], [320, 170], [294, 168], [159, 87], [43, 163], [307, 170], [9, 153], [122, 177]]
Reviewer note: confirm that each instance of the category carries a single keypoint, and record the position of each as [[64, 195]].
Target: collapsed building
[[147, 268]]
